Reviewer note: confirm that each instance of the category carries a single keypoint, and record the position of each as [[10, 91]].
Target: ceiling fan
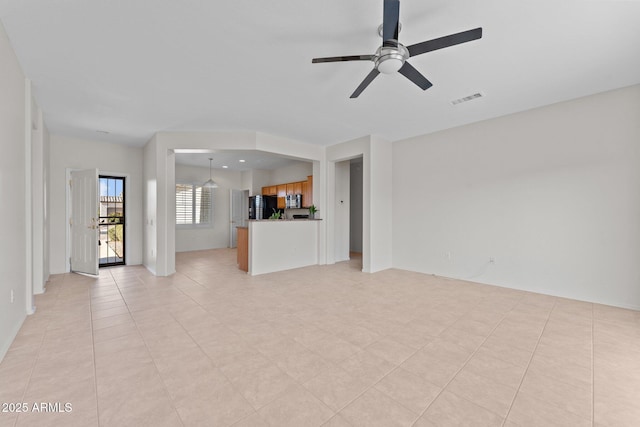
[[392, 55]]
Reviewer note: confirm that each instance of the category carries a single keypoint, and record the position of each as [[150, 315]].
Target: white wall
[[247, 181], [200, 238], [379, 179], [552, 194], [298, 171], [110, 159], [260, 178], [13, 237]]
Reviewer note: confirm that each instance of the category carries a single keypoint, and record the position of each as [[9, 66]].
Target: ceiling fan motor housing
[[389, 59]]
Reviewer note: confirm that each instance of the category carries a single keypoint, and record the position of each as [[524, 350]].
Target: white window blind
[[194, 205]]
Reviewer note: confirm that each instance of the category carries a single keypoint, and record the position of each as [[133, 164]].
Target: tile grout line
[[206, 355], [136, 325], [164, 385], [450, 326], [516, 313], [465, 364], [300, 384], [412, 354], [35, 361], [93, 346], [533, 352], [216, 365], [348, 373], [267, 358], [336, 365]]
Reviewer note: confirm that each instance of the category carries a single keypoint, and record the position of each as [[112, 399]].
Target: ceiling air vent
[[467, 98]]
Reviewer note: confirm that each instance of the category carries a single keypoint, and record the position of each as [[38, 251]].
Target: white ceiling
[[136, 67], [253, 159]]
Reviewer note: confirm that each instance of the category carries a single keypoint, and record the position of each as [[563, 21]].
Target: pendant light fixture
[[211, 183]]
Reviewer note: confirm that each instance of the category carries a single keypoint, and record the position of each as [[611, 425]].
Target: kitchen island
[[277, 245]]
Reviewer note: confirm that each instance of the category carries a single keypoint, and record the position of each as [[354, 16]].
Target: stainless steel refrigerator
[[262, 207]]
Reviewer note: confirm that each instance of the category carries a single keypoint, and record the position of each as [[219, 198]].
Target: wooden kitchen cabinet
[[304, 194], [294, 188], [290, 189], [282, 193], [243, 248], [283, 190], [270, 190]]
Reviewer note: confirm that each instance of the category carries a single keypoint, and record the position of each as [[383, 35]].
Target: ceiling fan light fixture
[[390, 65], [390, 59], [210, 183]]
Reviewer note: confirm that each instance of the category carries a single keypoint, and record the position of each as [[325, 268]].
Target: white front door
[[237, 216], [84, 221]]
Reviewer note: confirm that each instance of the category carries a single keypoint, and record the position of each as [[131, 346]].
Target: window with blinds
[[194, 205]]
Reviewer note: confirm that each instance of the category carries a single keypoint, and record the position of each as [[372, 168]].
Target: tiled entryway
[[325, 345]]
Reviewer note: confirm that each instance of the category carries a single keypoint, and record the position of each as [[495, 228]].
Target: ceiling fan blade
[[446, 41], [367, 80], [391, 16], [342, 58], [414, 75]]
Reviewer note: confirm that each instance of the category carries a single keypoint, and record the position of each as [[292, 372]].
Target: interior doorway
[[348, 212], [111, 221], [356, 212], [239, 204]]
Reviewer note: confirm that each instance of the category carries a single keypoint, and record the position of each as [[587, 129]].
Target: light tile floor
[[324, 345]]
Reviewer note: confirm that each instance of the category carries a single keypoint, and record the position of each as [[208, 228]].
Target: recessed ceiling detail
[[230, 160]]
